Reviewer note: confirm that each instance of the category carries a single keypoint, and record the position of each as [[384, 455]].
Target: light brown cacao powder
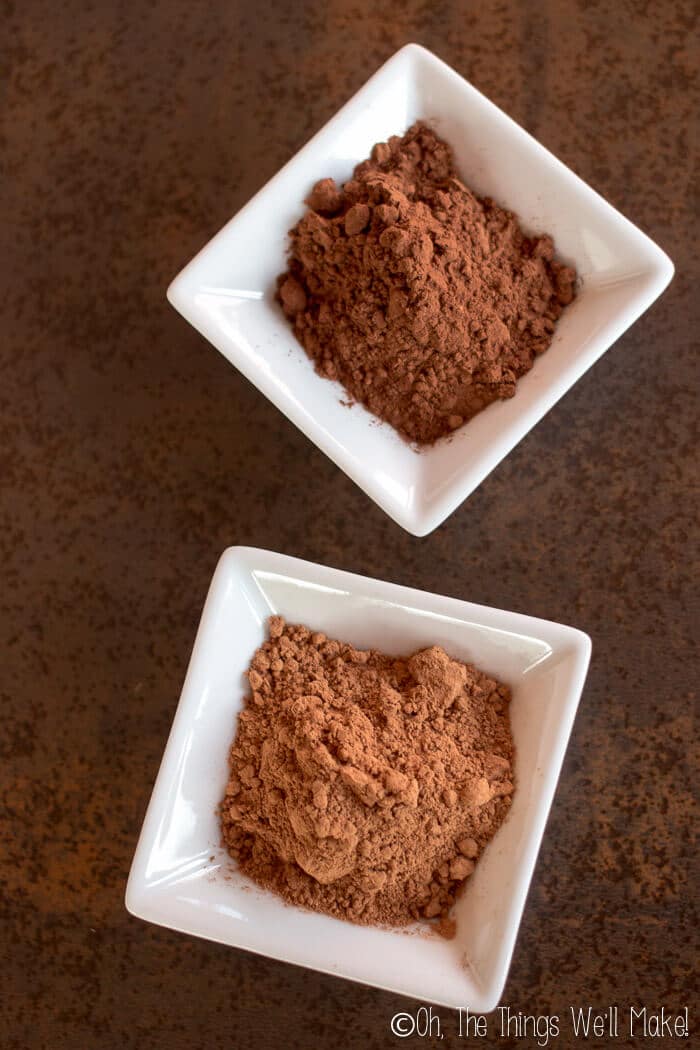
[[363, 785]]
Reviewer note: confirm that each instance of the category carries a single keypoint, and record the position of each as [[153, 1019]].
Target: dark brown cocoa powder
[[362, 785], [425, 301]]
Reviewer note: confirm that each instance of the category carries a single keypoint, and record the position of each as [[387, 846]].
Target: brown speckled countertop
[[132, 454]]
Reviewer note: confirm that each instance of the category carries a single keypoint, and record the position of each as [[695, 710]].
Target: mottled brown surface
[[132, 453]]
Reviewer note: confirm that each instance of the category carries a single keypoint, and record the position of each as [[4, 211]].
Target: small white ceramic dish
[[227, 291], [182, 878]]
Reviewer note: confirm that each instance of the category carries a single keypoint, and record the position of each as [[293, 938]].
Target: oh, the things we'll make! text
[[576, 1026]]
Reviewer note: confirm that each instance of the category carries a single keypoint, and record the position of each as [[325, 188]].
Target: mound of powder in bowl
[[425, 301], [363, 785]]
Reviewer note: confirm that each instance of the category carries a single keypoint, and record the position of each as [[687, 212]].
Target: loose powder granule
[[425, 301], [362, 785]]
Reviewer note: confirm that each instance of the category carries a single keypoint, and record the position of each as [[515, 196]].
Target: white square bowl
[[181, 877], [227, 291]]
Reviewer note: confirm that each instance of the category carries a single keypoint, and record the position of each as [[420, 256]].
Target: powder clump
[[425, 301], [362, 785]]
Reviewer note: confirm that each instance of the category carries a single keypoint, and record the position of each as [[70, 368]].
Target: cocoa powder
[[363, 785], [425, 301]]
